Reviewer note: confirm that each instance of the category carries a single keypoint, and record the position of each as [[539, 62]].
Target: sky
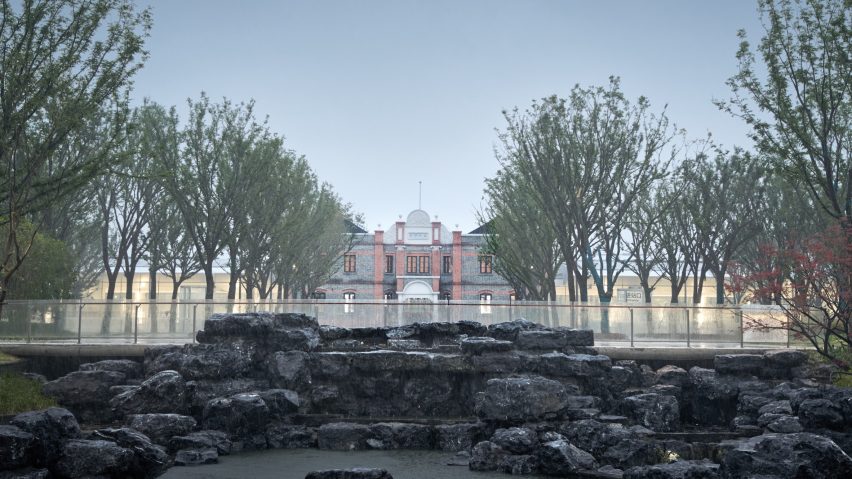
[[381, 95]]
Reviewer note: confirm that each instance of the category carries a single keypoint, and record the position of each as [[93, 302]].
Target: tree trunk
[[112, 278], [676, 287], [720, 285], [128, 278], [211, 285], [152, 284]]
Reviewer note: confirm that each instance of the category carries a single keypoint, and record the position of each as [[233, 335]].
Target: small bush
[[19, 394]]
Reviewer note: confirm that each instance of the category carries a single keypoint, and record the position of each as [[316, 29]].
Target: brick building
[[417, 260]]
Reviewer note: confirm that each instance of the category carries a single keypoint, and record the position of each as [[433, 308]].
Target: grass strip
[[19, 394]]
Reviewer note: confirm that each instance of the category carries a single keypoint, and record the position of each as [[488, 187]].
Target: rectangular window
[[485, 264], [411, 264], [448, 265], [389, 263], [348, 302], [485, 303], [349, 263], [424, 264]]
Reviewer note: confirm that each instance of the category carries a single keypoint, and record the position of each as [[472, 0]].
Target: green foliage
[[49, 271], [19, 394], [794, 88], [64, 64], [585, 160]]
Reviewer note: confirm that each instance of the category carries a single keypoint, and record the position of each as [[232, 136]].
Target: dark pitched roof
[[481, 230], [353, 228]]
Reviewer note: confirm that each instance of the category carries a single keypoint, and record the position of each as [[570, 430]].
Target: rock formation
[[518, 397]]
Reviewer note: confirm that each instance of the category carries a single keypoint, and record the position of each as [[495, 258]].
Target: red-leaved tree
[[811, 282]]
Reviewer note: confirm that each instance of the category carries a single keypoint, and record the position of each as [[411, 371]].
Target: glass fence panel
[[178, 321]]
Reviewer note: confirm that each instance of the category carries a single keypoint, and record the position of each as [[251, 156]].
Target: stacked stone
[[517, 397]]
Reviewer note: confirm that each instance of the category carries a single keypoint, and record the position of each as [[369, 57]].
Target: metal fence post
[[788, 332], [742, 329], [80, 323], [29, 328], [136, 323], [631, 327], [687, 329], [194, 311]]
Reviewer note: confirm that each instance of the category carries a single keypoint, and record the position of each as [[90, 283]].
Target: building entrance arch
[[418, 292]]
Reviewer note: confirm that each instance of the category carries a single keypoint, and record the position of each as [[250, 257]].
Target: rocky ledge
[[514, 397]]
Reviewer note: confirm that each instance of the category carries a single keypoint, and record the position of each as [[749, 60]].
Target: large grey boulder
[[149, 459], [288, 436], [289, 369], [196, 457], [206, 439], [269, 331], [397, 435], [242, 415], [785, 358], [575, 365], [16, 447], [594, 436], [817, 413], [676, 470], [479, 345], [82, 458], [712, 399], [521, 399], [657, 412], [51, 428], [200, 361], [162, 427], [559, 458], [739, 364], [672, 375], [164, 392], [131, 369], [786, 456], [85, 393], [458, 437], [516, 440], [281, 402], [354, 473], [486, 456], [343, 436], [508, 331], [203, 391]]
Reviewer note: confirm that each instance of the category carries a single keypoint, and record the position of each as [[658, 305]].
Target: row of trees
[[220, 191], [613, 187], [602, 184], [90, 185]]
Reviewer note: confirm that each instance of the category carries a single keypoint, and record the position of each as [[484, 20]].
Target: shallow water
[[296, 463]]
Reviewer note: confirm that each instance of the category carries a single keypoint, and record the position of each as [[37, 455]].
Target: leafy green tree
[[587, 160], [726, 207], [48, 272], [675, 236], [209, 176], [520, 236], [63, 61], [797, 96]]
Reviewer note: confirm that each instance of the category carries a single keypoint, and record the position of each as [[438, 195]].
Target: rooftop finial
[[420, 195]]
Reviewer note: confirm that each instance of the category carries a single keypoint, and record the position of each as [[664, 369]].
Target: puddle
[[297, 463]]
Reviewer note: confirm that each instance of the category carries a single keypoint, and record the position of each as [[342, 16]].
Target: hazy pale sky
[[379, 95]]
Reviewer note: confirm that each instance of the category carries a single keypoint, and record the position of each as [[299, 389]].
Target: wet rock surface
[[355, 473], [515, 397]]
